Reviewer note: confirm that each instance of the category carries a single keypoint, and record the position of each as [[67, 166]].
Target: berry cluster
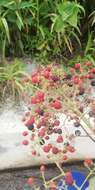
[[57, 99]]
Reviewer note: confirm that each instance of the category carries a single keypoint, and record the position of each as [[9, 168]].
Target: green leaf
[[25, 4], [42, 31], [4, 2], [89, 43], [66, 9], [73, 19], [19, 21], [16, 6], [59, 25], [76, 37], [90, 58], [5, 25]]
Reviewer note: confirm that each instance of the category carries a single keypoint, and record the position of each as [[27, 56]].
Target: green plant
[[92, 18], [10, 78], [65, 22], [15, 20], [4, 33], [90, 49], [87, 54], [40, 26]]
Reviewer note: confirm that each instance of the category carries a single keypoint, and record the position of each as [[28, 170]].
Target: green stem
[[61, 170]]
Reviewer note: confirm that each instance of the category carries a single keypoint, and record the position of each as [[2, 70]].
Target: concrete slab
[[14, 155]]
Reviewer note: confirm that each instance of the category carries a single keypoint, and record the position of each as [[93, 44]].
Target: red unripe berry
[[65, 157], [25, 133], [52, 186], [77, 66], [82, 77], [46, 114], [88, 162], [46, 74], [47, 138], [35, 79], [25, 142], [30, 122], [50, 145], [69, 178], [30, 181], [93, 70], [32, 137], [59, 139], [39, 111], [43, 121], [39, 125], [57, 104], [42, 168], [33, 100], [48, 68], [75, 80], [40, 95], [70, 149], [42, 132], [55, 150], [56, 123], [88, 64], [34, 152], [46, 149], [90, 76], [72, 70]]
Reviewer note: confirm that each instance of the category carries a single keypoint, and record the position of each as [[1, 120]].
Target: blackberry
[[81, 109], [50, 99], [31, 127], [81, 91], [68, 77], [42, 142], [93, 83], [77, 124], [77, 132], [92, 113], [70, 84], [41, 112], [55, 78], [66, 144], [59, 131]]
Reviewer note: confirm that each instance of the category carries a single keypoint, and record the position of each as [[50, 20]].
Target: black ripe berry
[[68, 77], [93, 83], [81, 91], [41, 113], [42, 142], [77, 132], [31, 127], [59, 131], [77, 124]]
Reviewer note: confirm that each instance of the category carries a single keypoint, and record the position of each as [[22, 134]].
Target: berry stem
[[43, 177], [58, 165]]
